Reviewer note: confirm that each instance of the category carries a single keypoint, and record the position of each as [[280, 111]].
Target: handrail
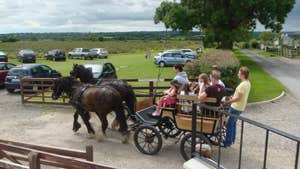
[[243, 120]]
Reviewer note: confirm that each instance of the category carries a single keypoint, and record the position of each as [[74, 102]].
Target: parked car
[[3, 57], [81, 53], [100, 52], [55, 54], [4, 68], [26, 56], [12, 81], [188, 52], [173, 57], [102, 70]]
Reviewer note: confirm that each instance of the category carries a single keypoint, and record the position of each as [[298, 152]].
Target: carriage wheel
[[220, 136], [147, 140], [186, 144], [168, 128]]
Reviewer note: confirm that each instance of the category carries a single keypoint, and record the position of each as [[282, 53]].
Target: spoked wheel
[[168, 128], [220, 136], [147, 140], [186, 144]]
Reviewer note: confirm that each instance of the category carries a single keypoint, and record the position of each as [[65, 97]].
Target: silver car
[[101, 52], [173, 57]]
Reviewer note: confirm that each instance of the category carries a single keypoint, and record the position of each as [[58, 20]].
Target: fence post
[[22, 91], [34, 162], [194, 128], [89, 153], [43, 92], [151, 93]]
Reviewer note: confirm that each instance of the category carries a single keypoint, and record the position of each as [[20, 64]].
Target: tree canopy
[[223, 21]]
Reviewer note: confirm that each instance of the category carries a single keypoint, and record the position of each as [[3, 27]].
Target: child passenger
[[169, 98]]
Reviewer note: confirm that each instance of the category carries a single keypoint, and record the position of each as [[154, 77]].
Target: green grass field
[[134, 65], [264, 87], [128, 66]]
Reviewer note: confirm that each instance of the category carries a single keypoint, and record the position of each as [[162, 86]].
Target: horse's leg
[[123, 123], [86, 117], [104, 122], [76, 124]]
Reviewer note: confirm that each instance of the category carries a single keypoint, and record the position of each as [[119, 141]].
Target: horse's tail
[[131, 101]]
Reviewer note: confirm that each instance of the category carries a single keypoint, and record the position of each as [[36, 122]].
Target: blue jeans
[[231, 128]]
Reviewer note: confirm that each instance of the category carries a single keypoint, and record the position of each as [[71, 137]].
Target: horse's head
[[77, 69], [84, 74], [60, 85]]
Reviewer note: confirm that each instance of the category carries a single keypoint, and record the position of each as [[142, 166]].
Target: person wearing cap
[[214, 91], [237, 104]]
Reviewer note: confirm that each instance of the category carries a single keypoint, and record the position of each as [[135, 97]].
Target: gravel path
[[51, 125]]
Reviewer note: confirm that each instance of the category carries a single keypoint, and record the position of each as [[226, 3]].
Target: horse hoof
[[76, 127], [114, 124], [126, 136], [90, 136]]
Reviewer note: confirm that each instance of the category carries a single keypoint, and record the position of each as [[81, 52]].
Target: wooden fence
[[38, 90], [33, 156]]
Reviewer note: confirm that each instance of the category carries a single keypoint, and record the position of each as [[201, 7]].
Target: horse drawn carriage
[[175, 122]]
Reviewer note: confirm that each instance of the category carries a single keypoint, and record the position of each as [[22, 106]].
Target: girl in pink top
[[169, 98]]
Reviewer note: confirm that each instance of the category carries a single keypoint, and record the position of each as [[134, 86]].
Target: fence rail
[[244, 120], [37, 155], [38, 90]]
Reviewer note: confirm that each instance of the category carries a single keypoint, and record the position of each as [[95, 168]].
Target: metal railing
[[243, 120]]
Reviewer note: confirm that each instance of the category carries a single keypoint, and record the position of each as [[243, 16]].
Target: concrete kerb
[[268, 101]]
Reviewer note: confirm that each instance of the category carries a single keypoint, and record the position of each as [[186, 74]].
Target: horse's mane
[[79, 71]]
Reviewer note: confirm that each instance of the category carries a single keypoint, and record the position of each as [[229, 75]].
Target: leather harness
[[76, 102]]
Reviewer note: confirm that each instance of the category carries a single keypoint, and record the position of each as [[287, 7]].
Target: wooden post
[[151, 93], [43, 92], [34, 161], [22, 91], [89, 153]]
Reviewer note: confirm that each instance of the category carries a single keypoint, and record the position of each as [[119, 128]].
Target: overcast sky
[[91, 16]]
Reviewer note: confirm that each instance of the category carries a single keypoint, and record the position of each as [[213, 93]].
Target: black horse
[[128, 96], [99, 99]]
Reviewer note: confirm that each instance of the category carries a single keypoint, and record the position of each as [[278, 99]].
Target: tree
[[223, 21], [9, 38], [266, 36]]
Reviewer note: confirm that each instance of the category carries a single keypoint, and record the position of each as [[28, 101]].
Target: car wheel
[[10, 90], [162, 64]]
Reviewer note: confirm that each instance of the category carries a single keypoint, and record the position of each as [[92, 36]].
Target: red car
[[4, 68]]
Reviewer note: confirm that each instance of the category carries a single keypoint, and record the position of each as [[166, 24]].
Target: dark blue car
[[15, 74]]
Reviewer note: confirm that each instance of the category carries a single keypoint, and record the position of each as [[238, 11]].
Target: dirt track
[[51, 125]]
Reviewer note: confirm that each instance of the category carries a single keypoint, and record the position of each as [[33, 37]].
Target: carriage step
[[201, 163]]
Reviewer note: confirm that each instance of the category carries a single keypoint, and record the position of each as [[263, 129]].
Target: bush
[[254, 44], [226, 61]]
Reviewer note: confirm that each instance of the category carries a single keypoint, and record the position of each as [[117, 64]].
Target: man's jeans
[[231, 127]]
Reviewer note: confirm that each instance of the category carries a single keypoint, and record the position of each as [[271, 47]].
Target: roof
[[28, 66], [95, 63]]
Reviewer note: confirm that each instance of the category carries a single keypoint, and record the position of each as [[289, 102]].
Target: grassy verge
[[267, 54], [264, 87]]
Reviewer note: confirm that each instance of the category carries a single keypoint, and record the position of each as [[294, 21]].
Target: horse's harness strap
[[77, 101]]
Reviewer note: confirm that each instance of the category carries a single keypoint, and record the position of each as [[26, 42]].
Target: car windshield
[[186, 51], [96, 69], [1, 66], [18, 72]]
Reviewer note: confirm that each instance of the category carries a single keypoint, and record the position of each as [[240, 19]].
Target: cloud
[[90, 16]]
